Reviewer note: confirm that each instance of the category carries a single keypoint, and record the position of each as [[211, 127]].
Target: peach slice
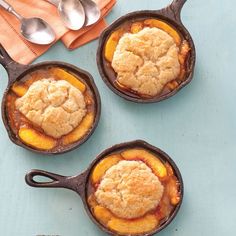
[[103, 166], [35, 139], [102, 214], [19, 89], [164, 26], [64, 75], [152, 161], [121, 85], [184, 50], [182, 74], [11, 98], [164, 208], [112, 43], [136, 27], [92, 201], [169, 169], [80, 131], [88, 99], [172, 85], [175, 200], [172, 190], [35, 76], [137, 226]]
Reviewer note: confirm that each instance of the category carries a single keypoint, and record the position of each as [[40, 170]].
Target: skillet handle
[[75, 183], [13, 68], [174, 10]]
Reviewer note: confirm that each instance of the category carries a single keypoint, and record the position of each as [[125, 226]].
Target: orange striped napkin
[[25, 52]]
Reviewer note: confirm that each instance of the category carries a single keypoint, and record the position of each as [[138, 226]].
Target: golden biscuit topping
[[146, 61], [129, 189], [55, 106]]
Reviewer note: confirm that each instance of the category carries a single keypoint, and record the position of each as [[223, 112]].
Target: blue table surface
[[197, 128]]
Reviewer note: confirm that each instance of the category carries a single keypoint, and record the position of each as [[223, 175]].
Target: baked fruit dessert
[[146, 58], [133, 192], [50, 109]]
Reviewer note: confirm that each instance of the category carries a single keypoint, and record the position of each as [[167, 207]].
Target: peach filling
[[152, 219], [33, 135], [136, 27]]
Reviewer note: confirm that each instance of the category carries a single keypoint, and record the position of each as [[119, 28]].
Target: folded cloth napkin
[[25, 52]]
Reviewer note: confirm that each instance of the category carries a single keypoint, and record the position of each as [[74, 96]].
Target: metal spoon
[[34, 29], [92, 12], [71, 12]]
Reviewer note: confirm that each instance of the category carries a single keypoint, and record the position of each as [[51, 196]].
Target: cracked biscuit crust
[[55, 106], [146, 61], [129, 189]]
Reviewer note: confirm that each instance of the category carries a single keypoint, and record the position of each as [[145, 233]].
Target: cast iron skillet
[[170, 15], [17, 71], [80, 182]]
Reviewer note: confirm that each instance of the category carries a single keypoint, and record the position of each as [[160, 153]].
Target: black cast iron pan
[[17, 71], [170, 15], [79, 183]]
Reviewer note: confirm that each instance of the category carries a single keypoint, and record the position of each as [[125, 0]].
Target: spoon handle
[[54, 2], [10, 9], [75, 183], [5, 5]]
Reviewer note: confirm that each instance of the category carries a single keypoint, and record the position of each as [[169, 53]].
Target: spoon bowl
[[72, 13], [92, 12], [37, 31]]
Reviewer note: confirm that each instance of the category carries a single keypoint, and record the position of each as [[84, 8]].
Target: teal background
[[197, 128]]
